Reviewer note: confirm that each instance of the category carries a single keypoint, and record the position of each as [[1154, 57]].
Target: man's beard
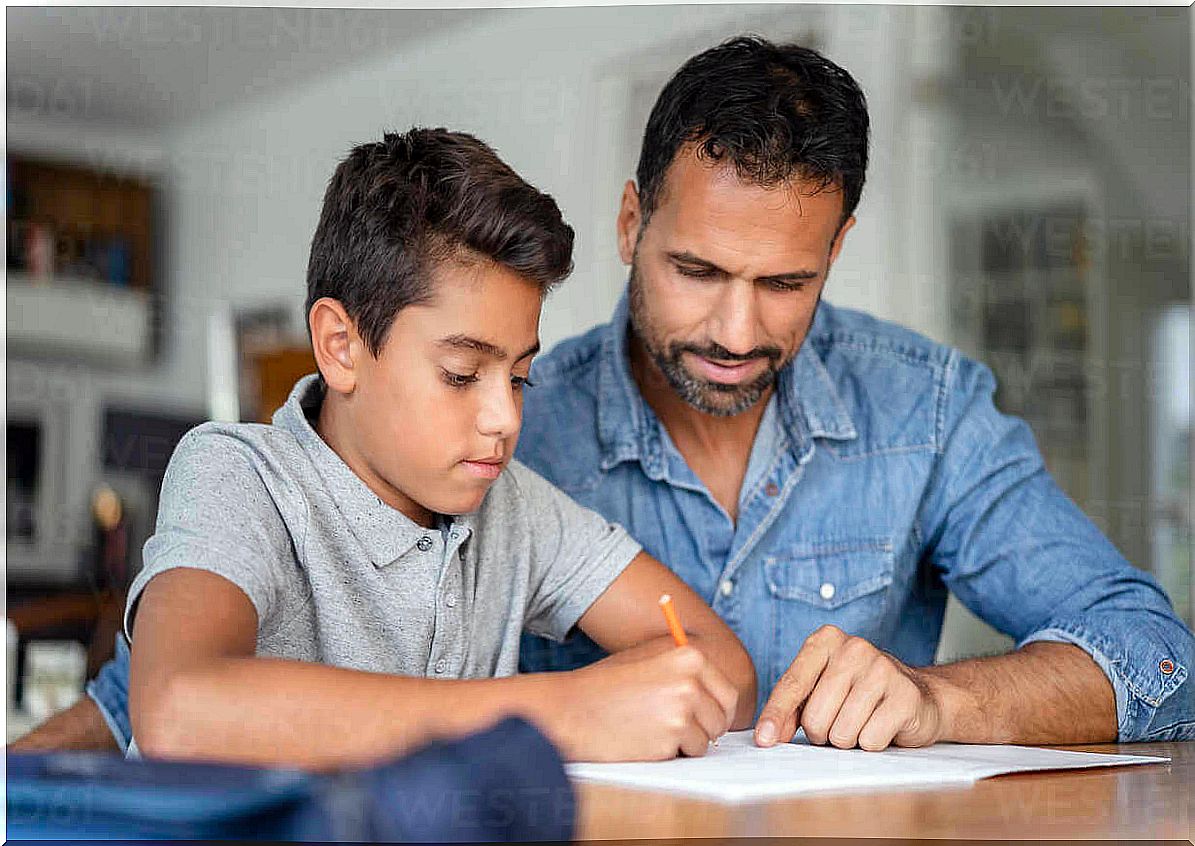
[[708, 397]]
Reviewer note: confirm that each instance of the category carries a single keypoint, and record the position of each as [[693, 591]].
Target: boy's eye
[[459, 380], [521, 382]]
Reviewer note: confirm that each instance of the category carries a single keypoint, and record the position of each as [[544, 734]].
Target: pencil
[[674, 626]]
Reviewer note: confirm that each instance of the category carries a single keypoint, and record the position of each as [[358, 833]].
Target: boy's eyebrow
[[465, 342]]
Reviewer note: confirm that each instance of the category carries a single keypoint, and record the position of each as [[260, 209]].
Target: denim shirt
[[881, 477]]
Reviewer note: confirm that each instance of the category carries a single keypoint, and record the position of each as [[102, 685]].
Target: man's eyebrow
[[686, 257], [466, 342]]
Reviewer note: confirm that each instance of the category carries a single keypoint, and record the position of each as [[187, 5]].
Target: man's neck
[[716, 448]]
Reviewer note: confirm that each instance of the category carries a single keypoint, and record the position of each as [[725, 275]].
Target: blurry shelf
[[80, 318]]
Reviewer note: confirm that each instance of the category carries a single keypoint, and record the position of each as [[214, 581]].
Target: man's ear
[[836, 247], [337, 346], [629, 220]]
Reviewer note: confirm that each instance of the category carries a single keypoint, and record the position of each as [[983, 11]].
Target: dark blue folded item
[[505, 783]]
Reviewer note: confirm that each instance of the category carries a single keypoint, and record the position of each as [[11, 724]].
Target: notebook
[[738, 771]]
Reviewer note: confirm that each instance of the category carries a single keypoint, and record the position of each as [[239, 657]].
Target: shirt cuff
[[1119, 688], [1141, 681]]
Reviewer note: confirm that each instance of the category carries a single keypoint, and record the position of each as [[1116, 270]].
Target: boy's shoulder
[[235, 461]]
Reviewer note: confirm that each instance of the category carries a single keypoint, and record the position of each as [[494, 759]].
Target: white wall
[[549, 89], [561, 93]]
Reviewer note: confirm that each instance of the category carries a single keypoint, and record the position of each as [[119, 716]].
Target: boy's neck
[[335, 428]]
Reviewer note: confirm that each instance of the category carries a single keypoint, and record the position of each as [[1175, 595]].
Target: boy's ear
[[336, 345]]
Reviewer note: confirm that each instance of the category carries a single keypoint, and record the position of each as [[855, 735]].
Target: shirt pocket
[[830, 574]]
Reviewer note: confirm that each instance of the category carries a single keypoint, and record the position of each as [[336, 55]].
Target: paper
[[738, 771]]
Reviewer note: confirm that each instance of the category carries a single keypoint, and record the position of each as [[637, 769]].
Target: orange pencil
[[674, 626]]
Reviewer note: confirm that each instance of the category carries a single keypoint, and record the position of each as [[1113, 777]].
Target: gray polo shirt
[[341, 578]]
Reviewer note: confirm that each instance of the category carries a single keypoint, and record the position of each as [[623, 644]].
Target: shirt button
[[1166, 666], [772, 489], [827, 591], [727, 587], [441, 665], [424, 543], [450, 600]]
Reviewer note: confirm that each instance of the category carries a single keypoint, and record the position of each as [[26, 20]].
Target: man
[[820, 477]]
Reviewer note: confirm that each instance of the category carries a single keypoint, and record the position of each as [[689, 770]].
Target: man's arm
[[196, 691], [844, 691], [80, 727], [1101, 654]]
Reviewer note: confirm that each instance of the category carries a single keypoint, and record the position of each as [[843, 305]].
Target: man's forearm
[[1041, 693], [78, 728], [291, 713]]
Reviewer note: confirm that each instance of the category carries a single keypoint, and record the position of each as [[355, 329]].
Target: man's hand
[[641, 709], [845, 691]]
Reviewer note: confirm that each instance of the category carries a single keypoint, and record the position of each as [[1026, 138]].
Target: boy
[[354, 578]]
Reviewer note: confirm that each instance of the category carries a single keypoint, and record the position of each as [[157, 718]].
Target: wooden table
[[1145, 801]]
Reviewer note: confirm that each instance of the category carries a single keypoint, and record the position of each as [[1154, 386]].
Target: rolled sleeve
[[1019, 553], [1148, 676], [109, 690]]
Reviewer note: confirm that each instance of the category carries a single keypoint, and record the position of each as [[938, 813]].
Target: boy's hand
[[645, 709]]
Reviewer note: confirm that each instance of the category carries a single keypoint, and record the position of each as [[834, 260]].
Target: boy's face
[[435, 417]]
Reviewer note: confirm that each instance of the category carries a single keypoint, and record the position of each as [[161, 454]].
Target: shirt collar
[[810, 406], [384, 532]]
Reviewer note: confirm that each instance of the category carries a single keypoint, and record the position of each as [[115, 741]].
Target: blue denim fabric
[[110, 692], [882, 477]]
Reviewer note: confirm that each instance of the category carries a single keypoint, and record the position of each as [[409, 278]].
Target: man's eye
[[459, 380], [694, 272], [798, 285]]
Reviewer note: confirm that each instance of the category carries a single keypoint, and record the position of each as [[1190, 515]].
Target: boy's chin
[[461, 500]]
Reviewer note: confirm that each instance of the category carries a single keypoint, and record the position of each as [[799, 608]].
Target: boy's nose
[[499, 415]]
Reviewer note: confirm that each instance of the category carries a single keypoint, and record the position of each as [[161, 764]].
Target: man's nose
[[733, 323]]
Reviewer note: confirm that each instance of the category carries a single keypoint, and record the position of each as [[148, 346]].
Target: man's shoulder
[[893, 382], [569, 363], [559, 438], [856, 336]]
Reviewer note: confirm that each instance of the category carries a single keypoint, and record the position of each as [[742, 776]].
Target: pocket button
[[827, 591]]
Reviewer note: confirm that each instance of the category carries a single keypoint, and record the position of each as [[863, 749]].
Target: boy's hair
[[775, 111], [395, 208]]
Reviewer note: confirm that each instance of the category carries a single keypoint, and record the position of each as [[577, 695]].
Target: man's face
[[437, 413], [725, 278]]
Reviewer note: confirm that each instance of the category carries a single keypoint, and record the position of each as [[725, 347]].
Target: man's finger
[[777, 720], [885, 722], [860, 704]]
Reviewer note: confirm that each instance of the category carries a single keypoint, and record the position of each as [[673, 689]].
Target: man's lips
[[488, 468], [731, 372]]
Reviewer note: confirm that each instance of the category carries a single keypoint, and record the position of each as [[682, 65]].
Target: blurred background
[[1028, 201]]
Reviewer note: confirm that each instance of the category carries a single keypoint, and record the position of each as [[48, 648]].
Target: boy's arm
[[197, 691], [626, 620]]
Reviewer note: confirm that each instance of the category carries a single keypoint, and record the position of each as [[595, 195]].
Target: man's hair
[[775, 111], [394, 209]]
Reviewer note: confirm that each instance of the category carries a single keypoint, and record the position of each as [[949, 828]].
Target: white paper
[[738, 771]]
